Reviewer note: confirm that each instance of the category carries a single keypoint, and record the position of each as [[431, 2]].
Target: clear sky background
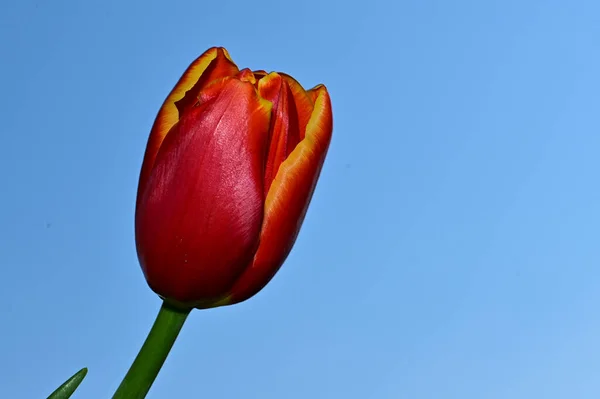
[[451, 249]]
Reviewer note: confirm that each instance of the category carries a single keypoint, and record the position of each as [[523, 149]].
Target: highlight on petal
[[198, 221], [215, 63], [287, 201]]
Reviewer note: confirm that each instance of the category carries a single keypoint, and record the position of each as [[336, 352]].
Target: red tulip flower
[[229, 171]]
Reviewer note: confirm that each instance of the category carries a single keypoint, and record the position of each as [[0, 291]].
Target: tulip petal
[[284, 132], [215, 63], [305, 103], [199, 218], [246, 75], [287, 201], [220, 67], [292, 108]]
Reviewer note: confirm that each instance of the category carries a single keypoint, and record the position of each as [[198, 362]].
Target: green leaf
[[66, 390]]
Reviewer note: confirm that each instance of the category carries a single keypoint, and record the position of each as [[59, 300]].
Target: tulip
[[229, 171]]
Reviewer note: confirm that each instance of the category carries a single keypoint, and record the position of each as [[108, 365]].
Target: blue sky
[[451, 249]]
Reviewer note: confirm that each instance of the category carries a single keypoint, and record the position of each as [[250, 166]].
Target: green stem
[[153, 354]]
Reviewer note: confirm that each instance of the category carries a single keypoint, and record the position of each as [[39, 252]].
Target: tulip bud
[[229, 171]]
